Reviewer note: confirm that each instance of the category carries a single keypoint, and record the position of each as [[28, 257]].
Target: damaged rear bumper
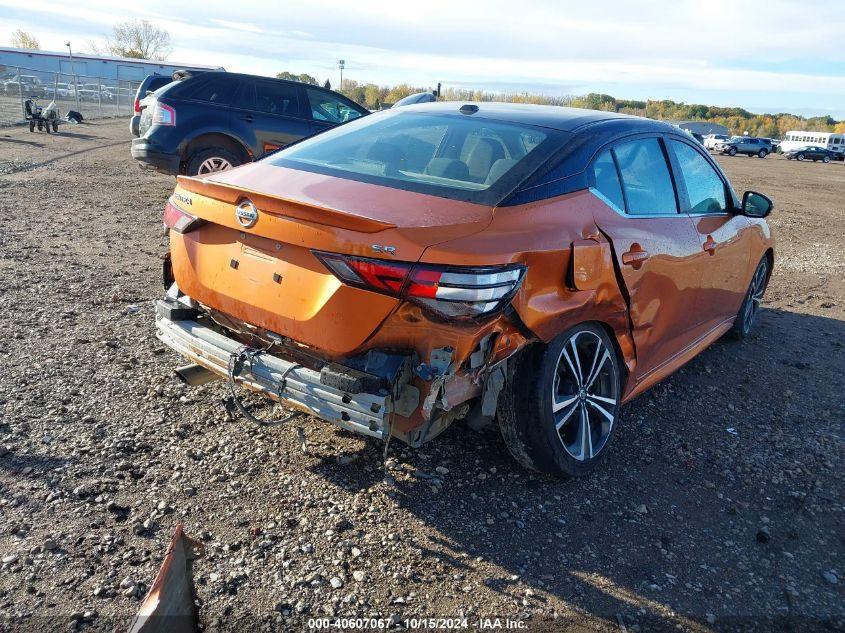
[[278, 378]]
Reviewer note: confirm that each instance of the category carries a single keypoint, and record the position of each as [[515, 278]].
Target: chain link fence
[[93, 97]]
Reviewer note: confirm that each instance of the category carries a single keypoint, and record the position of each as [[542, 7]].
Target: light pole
[[75, 84], [341, 63]]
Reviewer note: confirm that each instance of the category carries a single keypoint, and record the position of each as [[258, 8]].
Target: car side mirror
[[756, 205]]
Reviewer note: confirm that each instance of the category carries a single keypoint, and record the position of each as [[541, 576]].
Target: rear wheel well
[[215, 140], [611, 333]]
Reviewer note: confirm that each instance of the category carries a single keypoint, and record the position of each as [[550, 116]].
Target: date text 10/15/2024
[[417, 623]]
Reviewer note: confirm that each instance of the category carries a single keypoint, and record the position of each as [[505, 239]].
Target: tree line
[[737, 120]]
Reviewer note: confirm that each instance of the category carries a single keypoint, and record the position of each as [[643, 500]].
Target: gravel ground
[[720, 506]]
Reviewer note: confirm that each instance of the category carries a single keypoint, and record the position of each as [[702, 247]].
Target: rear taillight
[[179, 220], [163, 115], [137, 105], [450, 291]]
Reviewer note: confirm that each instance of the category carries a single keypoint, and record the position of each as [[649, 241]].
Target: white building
[[45, 64]]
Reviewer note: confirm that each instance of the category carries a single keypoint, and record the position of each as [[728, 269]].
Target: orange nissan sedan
[[438, 262]]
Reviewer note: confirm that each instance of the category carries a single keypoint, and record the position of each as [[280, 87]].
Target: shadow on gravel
[[32, 465], [79, 135], [18, 141], [667, 524]]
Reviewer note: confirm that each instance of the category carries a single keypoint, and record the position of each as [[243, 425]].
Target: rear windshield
[[452, 156]]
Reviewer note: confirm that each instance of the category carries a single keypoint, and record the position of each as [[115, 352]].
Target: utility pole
[[341, 63], [73, 72]]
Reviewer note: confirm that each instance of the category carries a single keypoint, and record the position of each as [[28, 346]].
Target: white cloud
[[719, 50]]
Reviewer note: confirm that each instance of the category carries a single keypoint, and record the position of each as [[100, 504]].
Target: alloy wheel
[[585, 401], [755, 296], [213, 164]]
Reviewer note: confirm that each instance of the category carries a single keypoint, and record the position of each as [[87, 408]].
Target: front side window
[[606, 178], [646, 180], [705, 188], [326, 107], [451, 156]]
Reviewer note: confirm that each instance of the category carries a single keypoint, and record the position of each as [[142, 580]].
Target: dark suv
[[748, 145], [218, 120]]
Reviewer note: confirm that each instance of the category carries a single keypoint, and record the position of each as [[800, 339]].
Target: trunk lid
[[267, 275]]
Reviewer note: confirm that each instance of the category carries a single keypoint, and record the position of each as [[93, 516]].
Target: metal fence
[[94, 97]]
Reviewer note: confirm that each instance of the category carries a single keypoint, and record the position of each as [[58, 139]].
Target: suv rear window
[[451, 156], [213, 89]]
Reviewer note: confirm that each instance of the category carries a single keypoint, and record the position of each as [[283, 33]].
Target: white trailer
[[797, 139]]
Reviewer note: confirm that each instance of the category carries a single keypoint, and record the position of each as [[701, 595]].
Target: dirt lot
[[720, 505]]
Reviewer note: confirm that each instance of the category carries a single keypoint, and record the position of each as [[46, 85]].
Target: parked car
[[29, 84], [747, 145], [217, 120], [811, 152], [91, 92], [419, 97], [151, 83], [441, 261], [711, 140], [59, 91]]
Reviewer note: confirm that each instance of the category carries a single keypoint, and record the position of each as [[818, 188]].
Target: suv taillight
[[179, 220], [163, 114], [453, 292], [137, 105]]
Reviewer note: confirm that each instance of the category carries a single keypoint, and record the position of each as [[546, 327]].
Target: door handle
[[709, 245], [635, 257]]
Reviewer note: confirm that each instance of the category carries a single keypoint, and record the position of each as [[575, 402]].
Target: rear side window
[[210, 89], [646, 180], [277, 98], [606, 178], [705, 188], [327, 107]]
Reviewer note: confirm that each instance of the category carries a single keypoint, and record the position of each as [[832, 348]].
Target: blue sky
[[764, 55]]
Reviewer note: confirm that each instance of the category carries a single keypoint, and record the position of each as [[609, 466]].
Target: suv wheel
[[210, 160], [732, 151], [762, 153], [559, 409]]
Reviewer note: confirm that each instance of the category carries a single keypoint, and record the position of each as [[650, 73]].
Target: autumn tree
[[304, 78], [22, 39], [138, 39], [737, 120]]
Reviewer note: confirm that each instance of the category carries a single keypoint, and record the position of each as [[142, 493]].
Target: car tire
[[762, 153], [826, 159], [211, 159], [800, 157], [751, 304], [732, 151], [552, 392]]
